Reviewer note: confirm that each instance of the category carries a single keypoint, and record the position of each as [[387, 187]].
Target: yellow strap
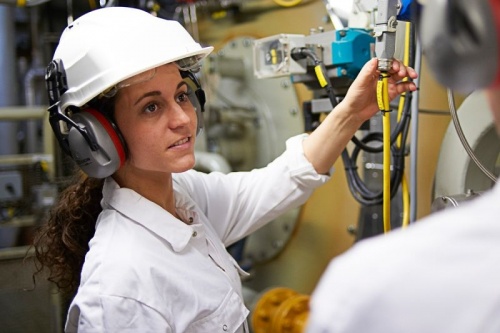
[[320, 76], [383, 93], [21, 3]]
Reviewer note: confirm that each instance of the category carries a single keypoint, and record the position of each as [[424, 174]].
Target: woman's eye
[[183, 98], [152, 107]]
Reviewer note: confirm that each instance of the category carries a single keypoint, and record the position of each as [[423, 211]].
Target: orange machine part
[[281, 310]]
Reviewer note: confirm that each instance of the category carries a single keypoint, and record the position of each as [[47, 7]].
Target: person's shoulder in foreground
[[440, 275]]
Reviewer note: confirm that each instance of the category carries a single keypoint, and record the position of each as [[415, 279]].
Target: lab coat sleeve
[[241, 202]]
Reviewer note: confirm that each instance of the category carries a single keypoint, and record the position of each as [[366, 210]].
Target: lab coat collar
[[148, 214]]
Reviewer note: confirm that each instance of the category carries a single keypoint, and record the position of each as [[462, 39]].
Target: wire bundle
[[398, 138]]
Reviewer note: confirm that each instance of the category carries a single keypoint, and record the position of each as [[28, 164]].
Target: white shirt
[[442, 275], [147, 271]]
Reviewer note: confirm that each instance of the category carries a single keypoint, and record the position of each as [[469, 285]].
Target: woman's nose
[[178, 117]]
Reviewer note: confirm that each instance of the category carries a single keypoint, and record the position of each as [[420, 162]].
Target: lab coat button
[[195, 234], [224, 328], [190, 221]]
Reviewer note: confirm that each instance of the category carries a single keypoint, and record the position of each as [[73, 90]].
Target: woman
[[156, 258]]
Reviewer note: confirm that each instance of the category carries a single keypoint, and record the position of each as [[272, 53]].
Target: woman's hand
[[361, 98], [325, 144]]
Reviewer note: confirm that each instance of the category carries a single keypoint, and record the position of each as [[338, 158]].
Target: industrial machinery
[[469, 160], [327, 62], [252, 108], [26, 186], [243, 127], [280, 310]]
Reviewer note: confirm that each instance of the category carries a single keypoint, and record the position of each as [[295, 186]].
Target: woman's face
[[158, 122]]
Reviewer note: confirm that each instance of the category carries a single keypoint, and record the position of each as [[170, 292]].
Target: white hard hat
[[108, 45]]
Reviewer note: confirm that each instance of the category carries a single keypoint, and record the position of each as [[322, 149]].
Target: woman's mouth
[[180, 142]]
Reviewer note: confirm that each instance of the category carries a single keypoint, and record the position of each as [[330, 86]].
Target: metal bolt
[[351, 229], [247, 42]]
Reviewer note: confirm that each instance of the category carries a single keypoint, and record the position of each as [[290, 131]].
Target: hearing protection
[[88, 135], [461, 42]]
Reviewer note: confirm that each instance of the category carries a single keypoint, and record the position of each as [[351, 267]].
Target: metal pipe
[[32, 140], [414, 136], [8, 81], [22, 112]]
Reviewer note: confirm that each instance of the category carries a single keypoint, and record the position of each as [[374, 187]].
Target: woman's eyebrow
[[148, 94], [157, 92]]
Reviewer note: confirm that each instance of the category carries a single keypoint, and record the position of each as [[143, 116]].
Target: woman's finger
[[405, 86]]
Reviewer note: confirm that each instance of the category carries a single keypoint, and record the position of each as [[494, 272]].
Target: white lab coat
[[147, 271], [442, 275]]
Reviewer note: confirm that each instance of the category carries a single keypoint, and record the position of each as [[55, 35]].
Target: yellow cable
[[386, 209], [404, 184], [287, 3], [384, 106], [383, 103]]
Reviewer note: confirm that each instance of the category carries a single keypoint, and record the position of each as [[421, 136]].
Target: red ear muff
[[92, 141], [112, 132], [108, 156]]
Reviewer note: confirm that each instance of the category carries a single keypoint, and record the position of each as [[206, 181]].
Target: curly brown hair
[[62, 241]]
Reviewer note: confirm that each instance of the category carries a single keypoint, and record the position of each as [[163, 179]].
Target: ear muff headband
[[199, 103]]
